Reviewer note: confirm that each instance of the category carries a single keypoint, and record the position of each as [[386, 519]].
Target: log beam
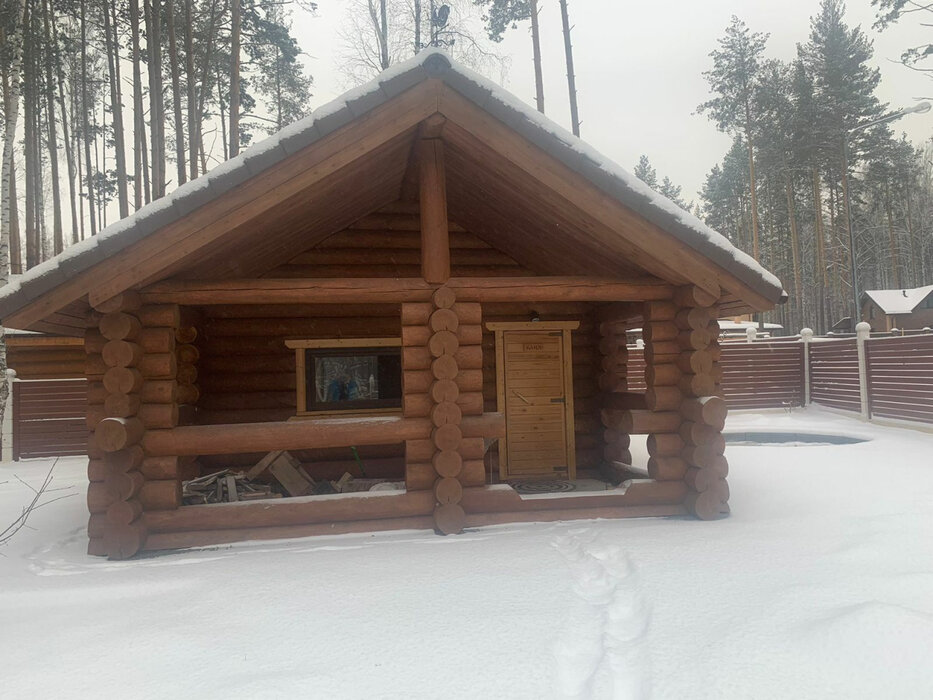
[[435, 238], [406, 289]]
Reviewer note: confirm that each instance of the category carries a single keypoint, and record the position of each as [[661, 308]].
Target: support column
[[703, 410], [435, 237], [442, 379], [613, 382], [115, 528], [146, 375]]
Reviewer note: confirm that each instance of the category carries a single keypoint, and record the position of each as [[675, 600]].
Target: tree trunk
[[66, 137], [794, 237], [571, 79], [417, 26], [116, 107], [384, 34], [153, 12], [892, 240], [85, 124], [29, 143], [139, 121], [176, 93], [234, 78], [192, 100], [57, 242], [14, 46], [536, 50]]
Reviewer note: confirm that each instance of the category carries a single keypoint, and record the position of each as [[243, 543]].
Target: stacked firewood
[[225, 487]]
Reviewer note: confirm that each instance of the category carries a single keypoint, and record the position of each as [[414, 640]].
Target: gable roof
[[899, 301], [61, 271]]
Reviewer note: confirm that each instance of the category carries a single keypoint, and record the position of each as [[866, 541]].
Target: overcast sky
[[639, 70]]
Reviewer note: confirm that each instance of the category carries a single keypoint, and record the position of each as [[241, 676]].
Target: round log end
[[443, 343], [444, 390], [447, 437], [125, 541], [444, 320], [447, 463], [444, 298], [446, 413], [706, 505], [449, 518], [114, 434], [448, 491], [445, 367]]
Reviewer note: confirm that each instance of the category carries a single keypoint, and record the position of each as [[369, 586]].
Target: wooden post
[[806, 337], [435, 239], [117, 530], [702, 407], [613, 381], [446, 461]]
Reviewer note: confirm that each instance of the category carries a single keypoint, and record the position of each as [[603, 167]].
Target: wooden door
[[535, 392]]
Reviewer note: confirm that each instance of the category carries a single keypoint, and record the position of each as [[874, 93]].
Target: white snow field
[[820, 585]]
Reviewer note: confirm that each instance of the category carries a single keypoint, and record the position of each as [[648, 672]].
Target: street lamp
[[918, 108]]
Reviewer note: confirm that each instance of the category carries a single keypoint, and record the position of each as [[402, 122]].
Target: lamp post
[[918, 108]]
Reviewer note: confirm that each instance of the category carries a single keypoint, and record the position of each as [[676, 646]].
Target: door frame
[[565, 327]]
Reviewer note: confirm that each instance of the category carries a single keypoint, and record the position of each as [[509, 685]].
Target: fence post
[[750, 335], [806, 335], [863, 333]]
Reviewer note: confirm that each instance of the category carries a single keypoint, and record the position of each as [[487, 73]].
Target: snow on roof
[[899, 301], [432, 63]]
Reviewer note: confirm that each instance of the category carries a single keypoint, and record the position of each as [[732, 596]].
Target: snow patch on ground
[[818, 585]]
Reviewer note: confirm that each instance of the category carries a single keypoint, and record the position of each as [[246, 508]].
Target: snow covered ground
[[820, 585]]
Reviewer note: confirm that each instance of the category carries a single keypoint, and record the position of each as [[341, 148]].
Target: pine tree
[[734, 79]]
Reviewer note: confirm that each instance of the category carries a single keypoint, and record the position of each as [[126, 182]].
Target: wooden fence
[[49, 418], [767, 374], [834, 374], [889, 378], [900, 377]]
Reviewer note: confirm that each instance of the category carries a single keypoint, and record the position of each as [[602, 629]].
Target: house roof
[[898, 301], [19, 301]]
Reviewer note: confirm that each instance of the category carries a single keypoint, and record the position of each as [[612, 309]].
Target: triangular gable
[[211, 211]]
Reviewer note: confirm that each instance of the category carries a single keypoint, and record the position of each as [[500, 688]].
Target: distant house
[[906, 309]]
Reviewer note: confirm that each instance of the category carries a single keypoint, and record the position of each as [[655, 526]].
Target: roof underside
[[511, 182]]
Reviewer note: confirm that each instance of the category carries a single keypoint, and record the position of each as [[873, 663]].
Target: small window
[[343, 376]]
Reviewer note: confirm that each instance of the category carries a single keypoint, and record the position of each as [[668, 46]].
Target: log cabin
[[425, 273]]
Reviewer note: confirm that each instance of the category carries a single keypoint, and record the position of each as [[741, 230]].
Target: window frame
[[348, 346]]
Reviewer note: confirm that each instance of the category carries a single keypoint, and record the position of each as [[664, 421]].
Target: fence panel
[[834, 378], [49, 418], [762, 374], [900, 377]]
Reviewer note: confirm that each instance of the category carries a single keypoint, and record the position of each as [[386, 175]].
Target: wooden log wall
[[141, 371], [442, 378], [702, 407], [248, 375], [387, 243], [613, 382], [585, 357]]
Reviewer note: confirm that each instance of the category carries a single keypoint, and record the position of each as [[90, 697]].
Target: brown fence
[[636, 370], [834, 378], [49, 418], [762, 374], [900, 377]]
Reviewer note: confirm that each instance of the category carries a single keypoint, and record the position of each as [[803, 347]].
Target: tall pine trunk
[[139, 120], [11, 94], [67, 136], [86, 126], [536, 52], [116, 107], [30, 152], [571, 79], [234, 78], [176, 93], [153, 17], [192, 100], [57, 243]]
